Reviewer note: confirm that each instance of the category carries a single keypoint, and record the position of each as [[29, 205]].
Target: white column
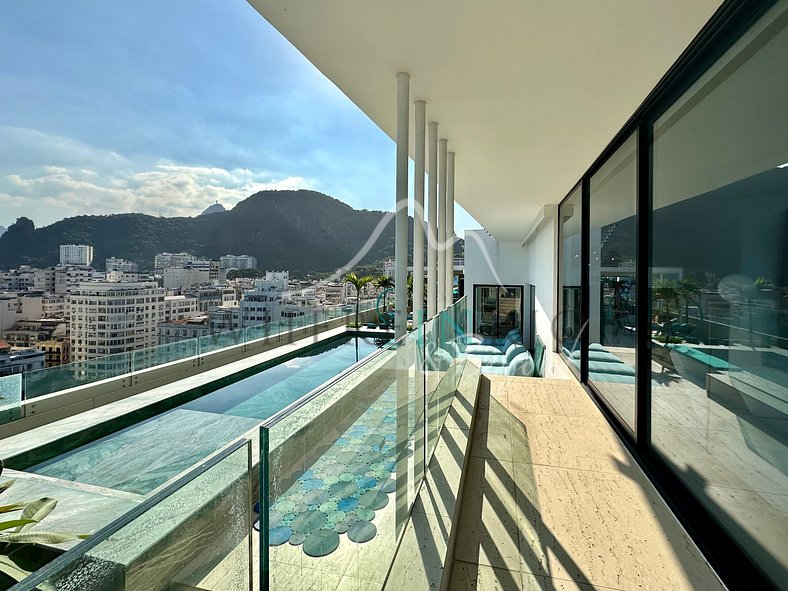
[[432, 236], [449, 228], [401, 211], [442, 148], [418, 215]]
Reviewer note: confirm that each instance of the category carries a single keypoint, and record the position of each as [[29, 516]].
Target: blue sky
[[163, 107]]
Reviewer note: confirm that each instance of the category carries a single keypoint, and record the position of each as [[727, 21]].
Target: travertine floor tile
[[475, 577]]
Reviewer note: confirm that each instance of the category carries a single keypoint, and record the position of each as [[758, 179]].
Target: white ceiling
[[528, 92]]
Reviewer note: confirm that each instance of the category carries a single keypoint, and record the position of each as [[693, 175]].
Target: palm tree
[[384, 282], [689, 290], [358, 283]]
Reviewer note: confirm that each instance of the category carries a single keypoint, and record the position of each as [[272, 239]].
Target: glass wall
[[569, 290], [611, 291], [719, 291]]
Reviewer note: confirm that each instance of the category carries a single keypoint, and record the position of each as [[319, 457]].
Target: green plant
[[16, 539], [358, 283]]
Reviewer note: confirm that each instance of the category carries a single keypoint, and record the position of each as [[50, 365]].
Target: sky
[[163, 107]]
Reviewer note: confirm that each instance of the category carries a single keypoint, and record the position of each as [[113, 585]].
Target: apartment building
[[76, 254]]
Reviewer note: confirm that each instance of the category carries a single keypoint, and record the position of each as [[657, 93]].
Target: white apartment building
[[76, 254], [44, 280], [15, 307], [19, 279], [237, 261], [69, 277], [177, 307], [113, 264], [183, 329], [168, 260], [109, 318]]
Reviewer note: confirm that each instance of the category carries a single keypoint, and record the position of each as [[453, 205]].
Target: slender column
[[418, 215], [442, 147], [450, 229], [432, 236], [401, 211]]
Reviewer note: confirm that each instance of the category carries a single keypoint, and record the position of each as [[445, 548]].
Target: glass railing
[[71, 375], [341, 467], [10, 397], [194, 534]]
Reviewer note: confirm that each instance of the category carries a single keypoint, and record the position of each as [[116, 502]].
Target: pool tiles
[[340, 493]]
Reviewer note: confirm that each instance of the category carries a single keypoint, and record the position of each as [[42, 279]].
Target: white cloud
[[169, 189]]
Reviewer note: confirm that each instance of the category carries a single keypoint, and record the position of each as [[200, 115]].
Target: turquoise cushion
[[610, 367], [596, 347], [496, 371], [440, 360], [521, 365], [514, 350], [705, 358], [483, 350], [611, 378]]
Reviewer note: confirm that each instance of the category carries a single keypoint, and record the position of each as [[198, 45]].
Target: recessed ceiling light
[[783, 165]]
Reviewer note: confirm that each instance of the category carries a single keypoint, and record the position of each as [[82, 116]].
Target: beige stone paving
[[552, 500]]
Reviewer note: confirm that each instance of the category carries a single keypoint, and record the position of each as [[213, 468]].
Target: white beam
[[432, 237], [442, 153], [449, 229], [401, 215], [418, 214]]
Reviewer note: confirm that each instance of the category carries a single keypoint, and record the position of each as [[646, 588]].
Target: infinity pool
[[146, 455]]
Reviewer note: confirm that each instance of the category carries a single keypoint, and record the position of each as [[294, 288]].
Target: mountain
[[295, 230], [2, 230], [214, 208]]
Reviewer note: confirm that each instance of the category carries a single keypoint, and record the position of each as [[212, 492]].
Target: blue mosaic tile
[[347, 504], [367, 482], [321, 543], [311, 484], [361, 531], [279, 535]]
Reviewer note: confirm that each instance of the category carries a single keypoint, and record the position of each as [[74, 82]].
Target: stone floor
[[553, 500]]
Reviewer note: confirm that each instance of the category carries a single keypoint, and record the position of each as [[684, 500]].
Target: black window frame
[[732, 20]]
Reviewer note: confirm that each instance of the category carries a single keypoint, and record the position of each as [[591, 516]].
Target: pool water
[[144, 456]]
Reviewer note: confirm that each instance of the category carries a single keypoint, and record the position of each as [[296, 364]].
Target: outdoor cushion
[[610, 367], [596, 347], [521, 365], [513, 350], [483, 350], [611, 377], [710, 360], [440, 360], [497, 371], [452, 348]]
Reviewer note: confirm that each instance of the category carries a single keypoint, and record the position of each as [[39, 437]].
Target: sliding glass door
[[497, 309]]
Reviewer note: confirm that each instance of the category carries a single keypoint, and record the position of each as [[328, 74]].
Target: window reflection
[[719, 295]]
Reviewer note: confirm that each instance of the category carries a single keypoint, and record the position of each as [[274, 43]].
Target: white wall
[[491, 262]]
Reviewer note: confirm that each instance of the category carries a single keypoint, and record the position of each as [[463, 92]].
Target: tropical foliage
[[358, 283], [16, 559]]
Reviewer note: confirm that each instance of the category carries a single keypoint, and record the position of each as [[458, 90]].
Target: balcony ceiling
[[527, 92]]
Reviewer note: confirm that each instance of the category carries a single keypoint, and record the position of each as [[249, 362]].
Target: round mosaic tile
[[308, 522], [347, 504], [342, 489], [311, 484], [316, 497], [336, 516], [284, 506], [389, 486], [346, 457], [321, 543], [275, 518], [346, 476], [366, 482], [358, 468], [279, 535], [341, 527], [373, 499], [330, 479], [328, 506], [364, 514], [297, 539], [361, 531]]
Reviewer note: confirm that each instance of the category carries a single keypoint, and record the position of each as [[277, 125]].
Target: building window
[[611, 291], [569, 290], [719, 291]]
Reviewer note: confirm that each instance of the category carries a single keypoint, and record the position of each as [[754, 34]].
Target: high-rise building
[[109, 318], [113, 264], [237, 261], [168, 260], [76, 254]]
